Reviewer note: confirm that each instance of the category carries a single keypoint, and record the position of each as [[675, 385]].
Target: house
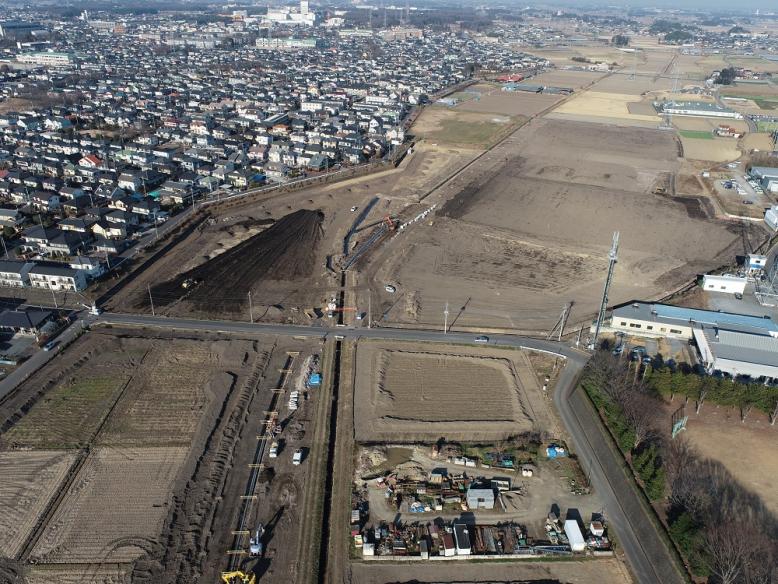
[[25, 322], [57, 277], [130, 181], [109, 230], [15, 274], [92, 267], [45, 200], [37, 237], [11, 218], [65, 243]]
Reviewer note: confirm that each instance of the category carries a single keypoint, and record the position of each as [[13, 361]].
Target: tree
[[727, 550], [620, 40], [726, 76], [640, 411]]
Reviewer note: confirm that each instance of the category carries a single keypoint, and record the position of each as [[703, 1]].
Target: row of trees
[[722, 530], [718, 390]]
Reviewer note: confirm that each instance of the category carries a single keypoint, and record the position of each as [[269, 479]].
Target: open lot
[[406, 393], [717, 433], [465, 129], [529, 229]]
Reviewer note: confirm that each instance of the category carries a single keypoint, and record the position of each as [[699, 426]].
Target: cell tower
[[613, 256]]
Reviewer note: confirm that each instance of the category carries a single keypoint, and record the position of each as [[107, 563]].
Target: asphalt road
[[38, 360], [646, 554]]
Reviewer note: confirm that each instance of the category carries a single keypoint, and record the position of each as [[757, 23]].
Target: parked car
[[297, 457], [738, 295], [391, 289], [618, 350], [50, 345]]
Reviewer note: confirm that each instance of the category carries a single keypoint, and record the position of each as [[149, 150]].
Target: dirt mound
[[285, 251]]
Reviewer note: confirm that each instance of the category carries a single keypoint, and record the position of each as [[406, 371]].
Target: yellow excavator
[[238, 577]]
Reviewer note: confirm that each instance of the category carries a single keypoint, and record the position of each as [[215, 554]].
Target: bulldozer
[[238, 577]]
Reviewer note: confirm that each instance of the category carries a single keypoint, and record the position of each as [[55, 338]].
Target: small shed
[[480, 498]]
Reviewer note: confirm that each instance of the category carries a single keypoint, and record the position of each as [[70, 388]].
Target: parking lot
[[735, 189]]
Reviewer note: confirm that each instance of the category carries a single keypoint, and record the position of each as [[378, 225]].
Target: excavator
[[238, 577]]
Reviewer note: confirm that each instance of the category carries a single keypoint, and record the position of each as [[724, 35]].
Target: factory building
[[696, 108], [767, 177], [737, 353], [662, 320]]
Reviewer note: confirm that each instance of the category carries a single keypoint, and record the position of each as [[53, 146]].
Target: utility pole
[[613, 256], [151, 300], [445, 319], [251, 309], [55, 298], [5, 249], [559, 327], [369, 307]]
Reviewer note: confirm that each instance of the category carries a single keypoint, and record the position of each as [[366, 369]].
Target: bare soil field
[[511, 103], [612, 106], [528, 230], [713, 150], [717, 433], [567, 78], [30, 479], [407, 393], [114, 511], [761, 141], [286, 252], [604, 571], [97, 574], [463, 129]]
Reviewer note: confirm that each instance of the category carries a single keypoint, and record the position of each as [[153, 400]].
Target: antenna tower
[[613, 256]]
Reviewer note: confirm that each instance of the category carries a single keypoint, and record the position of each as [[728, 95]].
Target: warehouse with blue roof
[[737, 344]]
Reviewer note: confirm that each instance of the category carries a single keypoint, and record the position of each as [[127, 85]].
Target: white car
[[354, 208], [482, 339], [297, 457], [391, 289]]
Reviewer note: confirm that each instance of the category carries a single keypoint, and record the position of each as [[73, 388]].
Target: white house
[[53, 277]]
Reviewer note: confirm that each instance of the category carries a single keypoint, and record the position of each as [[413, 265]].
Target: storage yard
[[143, 460]]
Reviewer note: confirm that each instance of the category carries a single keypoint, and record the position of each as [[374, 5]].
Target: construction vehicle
[[273, 450], [255, 543], [238, 577]]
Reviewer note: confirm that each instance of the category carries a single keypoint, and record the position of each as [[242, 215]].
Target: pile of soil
[[285, 251]]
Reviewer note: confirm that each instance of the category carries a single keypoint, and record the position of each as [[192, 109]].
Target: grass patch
[[696, 134], [469, 133], [67, 416], [763, 126]]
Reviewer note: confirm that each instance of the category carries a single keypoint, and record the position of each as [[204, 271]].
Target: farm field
[[708, 148], [408, 393], [90, 527], [112, 491], [511, 103], [566, 78], [603, 107], [608, 571], [30, 480]]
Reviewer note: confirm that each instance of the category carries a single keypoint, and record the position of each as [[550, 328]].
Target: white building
[[290, 17], [737, 353], [46, 59], [771, 217], [57, 278], [727, 283], [286, 43]]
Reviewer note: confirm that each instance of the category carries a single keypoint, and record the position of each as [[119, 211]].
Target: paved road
[[647, 555], [649, 559], [38, 360]]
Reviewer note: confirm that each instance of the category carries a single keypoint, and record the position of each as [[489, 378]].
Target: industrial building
[[767, 177], [737, 353], [15, 29], [287, 43], [290, 17], [662, 320], [696, 108], [46, 59]]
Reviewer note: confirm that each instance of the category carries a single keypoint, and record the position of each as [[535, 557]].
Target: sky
[[713, 5]]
